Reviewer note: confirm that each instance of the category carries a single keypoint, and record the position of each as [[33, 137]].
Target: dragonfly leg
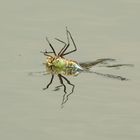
[[75, 48], [51, 46], [61, 81], [46, 53], [65, 45], [49, 82], [57, 88], [73, 86]]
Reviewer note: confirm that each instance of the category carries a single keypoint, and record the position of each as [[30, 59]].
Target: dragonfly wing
[[38, 73], [104, 63], [118, 65], [111, 76], [90, 64]]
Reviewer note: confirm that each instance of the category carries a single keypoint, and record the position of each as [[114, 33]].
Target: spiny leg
[[51, 46], [63, 47], [68, 43], [75, 48], [46, 53], [49, 82], [61, 81], [73, 86]]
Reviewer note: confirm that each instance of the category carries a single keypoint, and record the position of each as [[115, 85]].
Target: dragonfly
[[57, 65]]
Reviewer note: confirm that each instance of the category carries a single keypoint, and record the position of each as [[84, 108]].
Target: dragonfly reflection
[[56, 64]]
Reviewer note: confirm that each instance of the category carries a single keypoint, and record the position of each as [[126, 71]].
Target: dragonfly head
[[49, 61], [55, 62]]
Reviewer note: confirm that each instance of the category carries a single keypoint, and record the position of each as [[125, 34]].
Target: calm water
[[100, 108]]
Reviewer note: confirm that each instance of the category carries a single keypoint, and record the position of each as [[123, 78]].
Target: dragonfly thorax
[[59, 65]]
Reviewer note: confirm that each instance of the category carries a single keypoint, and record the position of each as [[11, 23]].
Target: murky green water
[[100, 108]]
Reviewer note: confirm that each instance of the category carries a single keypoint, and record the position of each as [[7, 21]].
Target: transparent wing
[[118, 77], [38, 73], [90, 64], [104, 62], [118, 65]]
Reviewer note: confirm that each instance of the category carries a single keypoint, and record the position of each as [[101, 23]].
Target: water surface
[[100, 108]]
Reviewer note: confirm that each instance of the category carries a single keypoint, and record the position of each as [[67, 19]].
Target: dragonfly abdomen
[[72, 68]]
